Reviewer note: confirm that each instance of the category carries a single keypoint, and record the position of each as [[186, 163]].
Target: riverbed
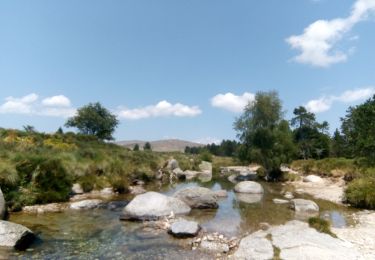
[[98, 233]]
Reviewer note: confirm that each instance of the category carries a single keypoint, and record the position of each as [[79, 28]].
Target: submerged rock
[[255, 246], [15, 236], [86, 204], [221, 193], [184, 228], [153, 205], [198, 197], [249, 198], [304, 206], [2, 205], [249, 187]]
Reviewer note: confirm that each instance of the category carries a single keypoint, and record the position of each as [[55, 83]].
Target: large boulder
[[249, 187], [198, 197], [172, 164], [86, 204], [2, 205], [205, 167], [152, 206], [255, 246], [304, 206], [184, 228], [15, 236]]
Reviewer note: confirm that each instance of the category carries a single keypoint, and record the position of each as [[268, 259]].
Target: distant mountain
[[168, 145]]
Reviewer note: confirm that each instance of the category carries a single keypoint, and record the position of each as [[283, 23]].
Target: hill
[[168, 145]]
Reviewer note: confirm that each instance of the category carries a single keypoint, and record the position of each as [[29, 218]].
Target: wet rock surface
[[15, 236]]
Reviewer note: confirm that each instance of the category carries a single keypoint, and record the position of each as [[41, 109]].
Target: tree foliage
[[94, 119], [147, 147], [266, 138]]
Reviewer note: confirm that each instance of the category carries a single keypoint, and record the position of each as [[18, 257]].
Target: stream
[[98, 233]]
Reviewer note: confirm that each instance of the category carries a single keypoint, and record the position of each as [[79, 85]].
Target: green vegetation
[[94, 119], [147, 146], [321, 225], [226, 148], [266, 137], [361, 192]]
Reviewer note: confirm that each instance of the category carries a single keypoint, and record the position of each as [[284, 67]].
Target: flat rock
[[184, 228], [216, 247], [297, 240], [15, 236], [249, 187], [255, 246], [198, 197], [304, 206], [280, 201], [2, 205], [86, 204], [46, 208], [313, 179], [152, 206]]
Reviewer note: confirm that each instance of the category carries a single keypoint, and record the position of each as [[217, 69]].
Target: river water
[[98, 234]]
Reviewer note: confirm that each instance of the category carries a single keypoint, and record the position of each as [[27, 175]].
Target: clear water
[[98, 234]]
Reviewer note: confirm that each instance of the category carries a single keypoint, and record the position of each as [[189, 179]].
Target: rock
[[15, 236], [191, 174], [198, 197], [46, 208], [297, 240], [107, 192], [304, 206], [77, 189], [172, 164], [2, 206], [221, 193], [255, 246], [249, 187], [116, 205], [152, 206], [232, 178], [86, 204], [288, 195], [184, 228], [136, 190], [246, 176], [178, 172], [205, 166], [216, 247], [312, 178], [280, 201], [249, 198]]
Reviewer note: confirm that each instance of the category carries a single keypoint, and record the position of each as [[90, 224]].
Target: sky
[[182, 69]]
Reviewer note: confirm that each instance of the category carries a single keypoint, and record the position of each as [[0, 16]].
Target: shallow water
[[98, 234]]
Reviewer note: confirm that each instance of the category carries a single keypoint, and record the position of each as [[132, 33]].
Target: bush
[[321, 225], [206, 156], [361, 193]]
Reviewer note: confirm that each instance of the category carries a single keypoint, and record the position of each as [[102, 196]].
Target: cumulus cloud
[[232, 102], [56, 101], [325, 103], [316, 44], [57, 106], [161, 109]]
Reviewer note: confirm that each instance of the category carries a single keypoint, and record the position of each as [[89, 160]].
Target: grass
[[321, 225], [361, 193]]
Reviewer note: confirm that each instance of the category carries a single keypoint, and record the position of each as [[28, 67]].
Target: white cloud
[[208, 140], [325, 103], [316, 44], [161, 109], [57, 106], [232, 102], [56, 101]]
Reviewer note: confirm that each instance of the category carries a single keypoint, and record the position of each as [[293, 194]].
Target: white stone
[[249, 187]]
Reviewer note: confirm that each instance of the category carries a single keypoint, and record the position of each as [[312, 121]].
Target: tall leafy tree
[[94, 119], [266, 138], [358, 127]]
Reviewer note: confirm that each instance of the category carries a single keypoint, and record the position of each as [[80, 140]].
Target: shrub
[[361, 193], [321, 225], [205, 156]]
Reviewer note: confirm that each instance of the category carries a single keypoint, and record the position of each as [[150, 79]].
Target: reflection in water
[[249, 198], [99, 233]]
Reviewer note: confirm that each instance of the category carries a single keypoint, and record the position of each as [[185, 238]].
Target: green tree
[[338, 145], [147, 146], [358, 127], [136, 147], [94, 119], [302, 118], [266, 138]]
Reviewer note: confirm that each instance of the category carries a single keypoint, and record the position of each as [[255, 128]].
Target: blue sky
[[181, 69]]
